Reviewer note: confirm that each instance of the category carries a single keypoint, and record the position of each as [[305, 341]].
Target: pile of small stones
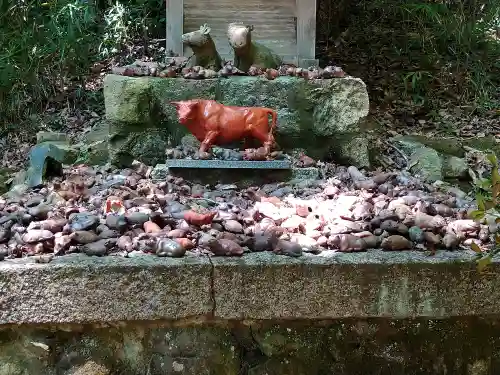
[[189, 149], [346, 211], [176, 69], [216, 153]]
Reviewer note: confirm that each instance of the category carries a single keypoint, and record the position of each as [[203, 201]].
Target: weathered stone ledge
[[78, 289]]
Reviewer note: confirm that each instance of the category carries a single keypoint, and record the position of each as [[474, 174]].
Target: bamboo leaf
[[475, 247], [483, 263], [489, 204], [497, 239], [495, 176], [480, 202], [492, 158], [495, 192], [477, 215]]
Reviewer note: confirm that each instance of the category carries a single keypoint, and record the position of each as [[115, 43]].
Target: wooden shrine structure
[[288, 27]]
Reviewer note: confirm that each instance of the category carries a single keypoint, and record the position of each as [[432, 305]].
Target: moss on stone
[[281, 366], [426, 163], [276, 341], [446, 145], [194, 351], [309, 112], [352, 149], [454, 167], [127, 100], [339, 106], [95, 153], [5, 176]]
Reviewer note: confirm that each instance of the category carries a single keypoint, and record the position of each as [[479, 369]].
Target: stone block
[[310, 113], [260, 286], [80, 289], [47, 158], [336, 313], [48, 136], [228, 164], [325, 107], [127, 101], [358, 285]]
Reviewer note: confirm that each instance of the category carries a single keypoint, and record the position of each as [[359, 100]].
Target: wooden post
[[175, 26], [306, 32]]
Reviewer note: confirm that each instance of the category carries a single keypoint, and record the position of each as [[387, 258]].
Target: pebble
[[109, 233], [37, 235], [169, 248], [83, 221], [4, 235], [40, 212], [281, 192], [116, 222], [34, 201], [288, 248], [84, 237], [4, 251], [98, 248], [351, 211], [150, 227], [396, 242], [233, 226], [137, 218], [416, 234]]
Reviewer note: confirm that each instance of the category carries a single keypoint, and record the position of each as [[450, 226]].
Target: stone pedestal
[[322, 117]]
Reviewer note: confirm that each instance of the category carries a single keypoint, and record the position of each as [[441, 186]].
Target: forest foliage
[[443, 47]]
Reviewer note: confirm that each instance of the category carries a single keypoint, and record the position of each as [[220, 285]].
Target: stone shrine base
[[322, 117], [363, 313]]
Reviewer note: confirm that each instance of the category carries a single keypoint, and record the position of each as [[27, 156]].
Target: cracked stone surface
[[79, 289]]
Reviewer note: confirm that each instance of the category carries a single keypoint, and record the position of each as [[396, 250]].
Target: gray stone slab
[[361, 285], [228, 164], [262, 286], [82, 289]]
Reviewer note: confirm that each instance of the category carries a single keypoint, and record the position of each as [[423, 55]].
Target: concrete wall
[[369, 313]]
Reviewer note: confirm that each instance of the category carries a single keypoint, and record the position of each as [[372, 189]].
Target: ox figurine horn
[[176, 104]]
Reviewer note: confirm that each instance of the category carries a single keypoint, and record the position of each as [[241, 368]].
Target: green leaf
[[497, 239], [475, 247], [480, 202], [495, 176], [483, 263], [492, 158], [477, 215], [484, 183], [489, 204]]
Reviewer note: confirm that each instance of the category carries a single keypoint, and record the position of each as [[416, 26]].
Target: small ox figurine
[[213, 123]]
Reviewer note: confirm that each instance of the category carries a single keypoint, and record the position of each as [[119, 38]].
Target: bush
[[401, 48], [488, 209], [48, 47], [421, 50], [45, 47]]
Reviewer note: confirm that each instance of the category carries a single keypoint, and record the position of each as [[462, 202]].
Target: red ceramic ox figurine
[[213, 123]]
